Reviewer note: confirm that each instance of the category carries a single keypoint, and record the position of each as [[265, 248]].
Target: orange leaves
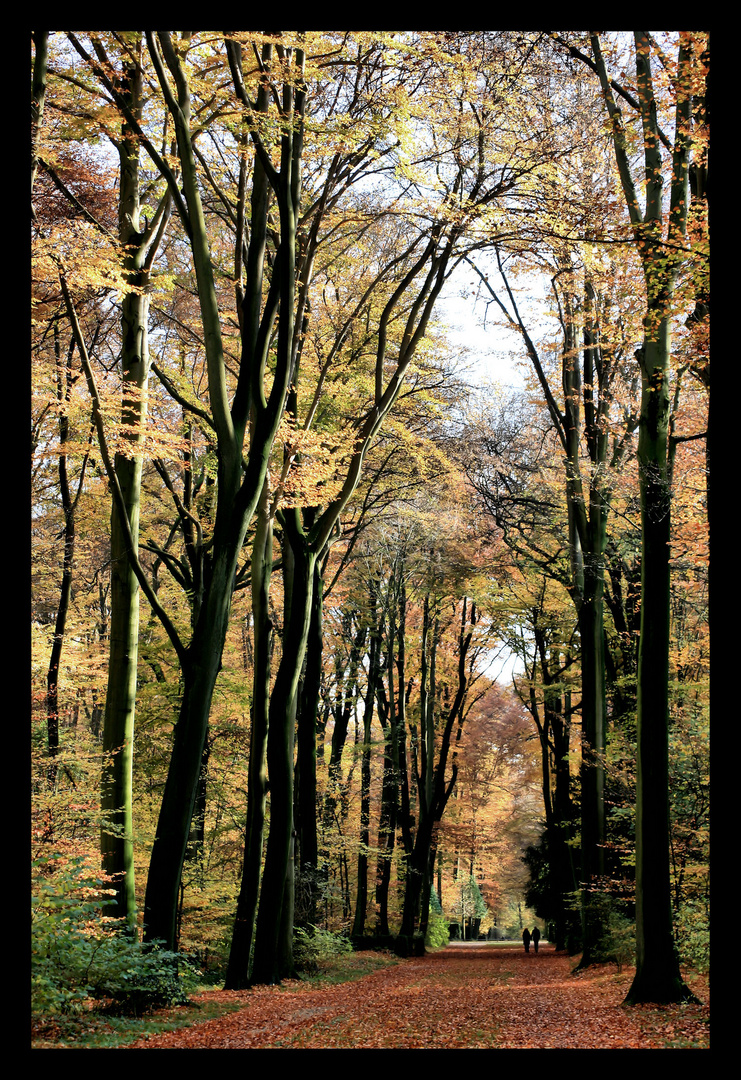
[[467, 996], [89, 264], [311, 472]]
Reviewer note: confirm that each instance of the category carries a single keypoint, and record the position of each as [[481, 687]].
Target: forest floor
[[466, 996]]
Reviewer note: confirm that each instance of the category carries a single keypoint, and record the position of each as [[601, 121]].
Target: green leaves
[[77, 953]]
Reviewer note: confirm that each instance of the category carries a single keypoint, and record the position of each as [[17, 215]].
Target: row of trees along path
[[254, 228], [467, 996]]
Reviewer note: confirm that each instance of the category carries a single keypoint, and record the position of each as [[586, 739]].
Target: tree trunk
[[361, 900], [307, 845], [238, 490], [554, 734], [386, 825], [657, 977], [417, 876], [592, 768], [116, 839], [69, 505], [237, 975], [200, 668], [273, 959]]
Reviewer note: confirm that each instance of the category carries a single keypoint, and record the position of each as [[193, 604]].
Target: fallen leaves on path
[[467, 996]]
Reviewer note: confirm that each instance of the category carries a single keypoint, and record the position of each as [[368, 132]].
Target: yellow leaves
[[88, 261], [148, 441], [310, 473]]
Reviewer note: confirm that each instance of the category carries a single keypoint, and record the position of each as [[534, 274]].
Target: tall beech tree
[[251, 413], [661, 246], [65, 381], [244, 424], [237, 974], [140, 242], [139, 246], [65, 378], [594, 442]]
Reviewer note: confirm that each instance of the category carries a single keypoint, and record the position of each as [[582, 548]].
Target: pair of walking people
[[527, 937]]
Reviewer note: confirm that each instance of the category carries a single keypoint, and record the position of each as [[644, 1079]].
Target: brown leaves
[[467, 996]]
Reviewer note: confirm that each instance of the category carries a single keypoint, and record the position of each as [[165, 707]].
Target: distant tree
[[470, 908]]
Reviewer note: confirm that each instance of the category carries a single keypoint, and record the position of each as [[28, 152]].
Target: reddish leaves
[[465, 997]]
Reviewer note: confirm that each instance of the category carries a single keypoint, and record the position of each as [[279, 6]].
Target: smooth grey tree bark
[[140, 246]]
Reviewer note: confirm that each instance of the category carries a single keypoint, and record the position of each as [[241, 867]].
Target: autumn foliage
[[386, 609]]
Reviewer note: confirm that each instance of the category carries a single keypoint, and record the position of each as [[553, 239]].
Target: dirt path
[[464, 997]]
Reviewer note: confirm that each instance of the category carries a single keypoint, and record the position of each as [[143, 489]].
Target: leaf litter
[[467, 996]]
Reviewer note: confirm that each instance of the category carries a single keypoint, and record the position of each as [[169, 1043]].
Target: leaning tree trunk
[[200, 668]]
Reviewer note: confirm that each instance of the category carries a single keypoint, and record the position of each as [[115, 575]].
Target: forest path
[[467, 996]]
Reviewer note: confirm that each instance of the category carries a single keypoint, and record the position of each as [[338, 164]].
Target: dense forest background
[[370, 469]]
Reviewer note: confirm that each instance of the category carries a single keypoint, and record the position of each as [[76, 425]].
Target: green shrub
[[617, 942], [135, 979], [78, 954], [692, 929], [315, 948], [437, 931]]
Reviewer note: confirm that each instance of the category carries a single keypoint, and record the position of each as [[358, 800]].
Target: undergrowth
[[91, 1029]]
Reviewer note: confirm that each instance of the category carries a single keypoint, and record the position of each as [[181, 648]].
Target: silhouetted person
[[536, 937], [526, 939]]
